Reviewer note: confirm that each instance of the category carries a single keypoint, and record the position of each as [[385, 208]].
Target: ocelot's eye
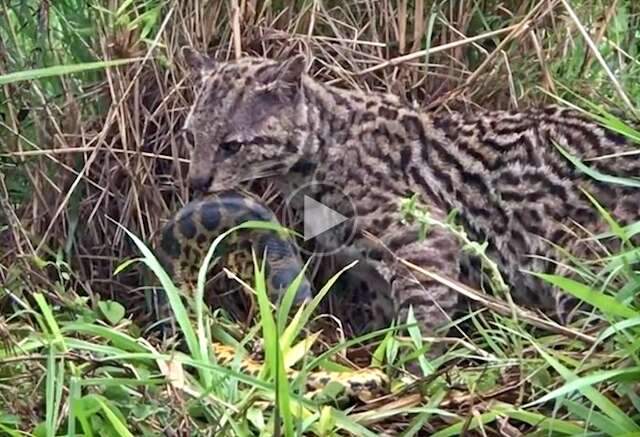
[[231, 147]]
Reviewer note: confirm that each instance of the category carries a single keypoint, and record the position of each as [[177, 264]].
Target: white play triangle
[[319, 218]]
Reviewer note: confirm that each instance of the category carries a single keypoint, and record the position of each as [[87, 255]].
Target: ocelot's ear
[[292, 69], [288, 72], [197, 62]]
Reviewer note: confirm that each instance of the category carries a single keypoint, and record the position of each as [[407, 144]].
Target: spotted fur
[[258, 118]]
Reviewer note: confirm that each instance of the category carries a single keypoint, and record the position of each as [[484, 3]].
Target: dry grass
[[80, 149], [85, 164]]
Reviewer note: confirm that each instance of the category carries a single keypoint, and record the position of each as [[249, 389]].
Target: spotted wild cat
[[259, 118]]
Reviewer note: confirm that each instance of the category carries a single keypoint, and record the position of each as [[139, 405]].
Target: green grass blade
[[620, 422], [202, 339], [75, 392], [540, 421], [49, 318], [170, 289], [50, 410], [115, 421], [344, 422], [618, 327], [287, 301], [586, 381], [273, 353], [416, 337], [421, 419], [598, 176], [118, 339], [315, 302], [13, 433], [613, 224], [475, 423], [593, 420], [607, 304], [60, 70]]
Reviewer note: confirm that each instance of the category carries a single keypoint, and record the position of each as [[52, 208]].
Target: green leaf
[[287, 301], [122, 267], [118, 339], [112, 311], [619, 422], [540, 421], [579, 383], [416, 337], [326, 423], [13, 433], [293, 330], [477, 421], [333, 390], [113, 418], [617, 328], [173, 294], [201, 342], [273, 351], [51, 323], [598, 176], [40, 430], [591, 418], [613, 224], [607, 304], [59, 70]]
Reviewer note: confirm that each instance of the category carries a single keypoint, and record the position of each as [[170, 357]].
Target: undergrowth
[[93, 95]]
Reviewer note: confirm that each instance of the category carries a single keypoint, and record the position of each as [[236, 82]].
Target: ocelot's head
[[248, 120]]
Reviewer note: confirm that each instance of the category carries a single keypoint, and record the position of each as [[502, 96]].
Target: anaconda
[[184, 241]]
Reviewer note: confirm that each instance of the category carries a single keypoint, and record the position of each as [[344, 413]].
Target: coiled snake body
[[185, 239]]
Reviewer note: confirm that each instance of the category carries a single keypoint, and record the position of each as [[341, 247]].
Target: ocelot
[[502, 171]]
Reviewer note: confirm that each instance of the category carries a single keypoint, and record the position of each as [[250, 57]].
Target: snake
[[187, 236]]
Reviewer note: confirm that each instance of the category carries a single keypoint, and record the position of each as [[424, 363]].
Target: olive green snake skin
[[185, 239]]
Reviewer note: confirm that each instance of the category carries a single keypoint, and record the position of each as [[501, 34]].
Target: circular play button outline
[[318, 218]]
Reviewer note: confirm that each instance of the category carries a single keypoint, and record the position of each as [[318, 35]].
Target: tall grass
[[92, 97]]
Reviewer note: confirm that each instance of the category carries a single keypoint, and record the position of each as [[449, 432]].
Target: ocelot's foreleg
[[432, 302]]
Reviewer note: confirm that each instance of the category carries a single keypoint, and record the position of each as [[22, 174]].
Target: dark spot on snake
[[368, 117], [210, 214], [253, 216], [274, 246], [371, 385], [282, 278], [245, 210], [169, 244], [355, 386], [187, 227]]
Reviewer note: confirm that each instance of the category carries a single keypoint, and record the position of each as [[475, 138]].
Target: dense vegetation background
[[92, 96]]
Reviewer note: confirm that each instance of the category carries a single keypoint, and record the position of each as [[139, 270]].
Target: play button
[[327, 215], [319, 218]]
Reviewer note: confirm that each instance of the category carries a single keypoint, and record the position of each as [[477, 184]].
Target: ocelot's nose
[[200, 183]]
